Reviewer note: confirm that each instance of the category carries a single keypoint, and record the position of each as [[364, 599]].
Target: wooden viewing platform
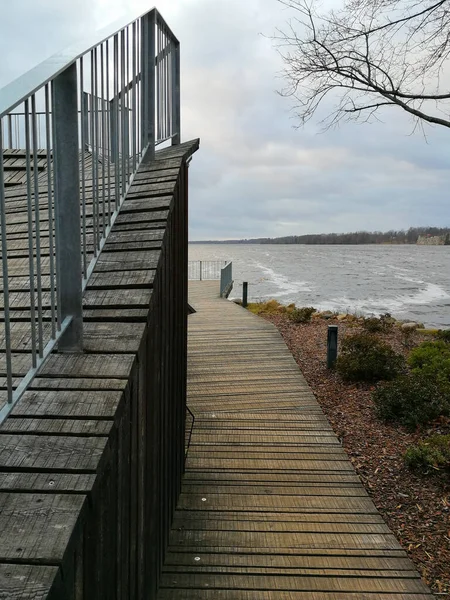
[[271, 507], [91, 456]]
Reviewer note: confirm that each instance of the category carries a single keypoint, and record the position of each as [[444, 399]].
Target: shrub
[[372, 324], [430, 454], [364, 357], [432, 359], [375, 324], [410, 400], [444, 335], [302, 315], [269, 307]]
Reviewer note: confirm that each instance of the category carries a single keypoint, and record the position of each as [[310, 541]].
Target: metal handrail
[[199, 270], [226, 280], [131, 73], [29, 83]]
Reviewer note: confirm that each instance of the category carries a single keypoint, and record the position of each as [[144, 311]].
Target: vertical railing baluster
[[55, 195], [148, 85], [84, 111], [37, 224], [103, 128], [139, 107], [50, 167], [166, 84], [30, 236], [92, 139], [10, 136], [176, 100], [134, 84], [127, 96], [108, 131], [122, 112], [84, 130], [4, 245], [95, 153], [159, 82], [67, 206], [115, 122]]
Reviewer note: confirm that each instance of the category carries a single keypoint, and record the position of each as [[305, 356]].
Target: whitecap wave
[[285, 286], [432, 293]]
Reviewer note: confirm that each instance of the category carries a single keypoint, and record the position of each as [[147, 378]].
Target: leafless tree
[[367, 55]]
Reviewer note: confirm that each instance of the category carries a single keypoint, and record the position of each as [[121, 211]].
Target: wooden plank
[[47, 483], [205, 593], [69, 405], [312, 562], [113, 337], [123, 298], [305, 528], [118, 280], [73, 383], [37, 527], [301, 489], [128, 261], [47, 453], [26, 582], [104, 366], [59, 427], [286, 503], [294, 583]]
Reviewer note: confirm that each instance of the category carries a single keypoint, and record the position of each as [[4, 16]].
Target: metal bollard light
[[332, 345], [245, 294]]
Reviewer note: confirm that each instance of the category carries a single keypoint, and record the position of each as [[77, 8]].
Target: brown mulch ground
[[416, 508]]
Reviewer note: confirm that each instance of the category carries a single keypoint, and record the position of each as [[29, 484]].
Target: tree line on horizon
[[402, 236], [409, 236]]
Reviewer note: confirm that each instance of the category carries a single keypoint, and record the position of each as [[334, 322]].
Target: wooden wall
[[91, 458]]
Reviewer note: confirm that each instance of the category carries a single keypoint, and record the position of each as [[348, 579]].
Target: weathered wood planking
[[271, 508], [91, 457]]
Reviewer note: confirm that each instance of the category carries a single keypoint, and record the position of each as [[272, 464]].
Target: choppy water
[[410, 282]]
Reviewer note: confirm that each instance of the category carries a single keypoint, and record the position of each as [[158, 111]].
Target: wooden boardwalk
[[271, 507]]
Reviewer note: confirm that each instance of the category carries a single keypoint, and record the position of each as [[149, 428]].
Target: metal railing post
[[67, 207], [113, 129], [148, 84], [176, 96], [245, 294], [85, 120], [332, 346]]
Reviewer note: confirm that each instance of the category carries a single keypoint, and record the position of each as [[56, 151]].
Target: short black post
[[332, 346], [244, 294]]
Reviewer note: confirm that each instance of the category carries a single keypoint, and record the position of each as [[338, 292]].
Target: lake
[[409, 282]]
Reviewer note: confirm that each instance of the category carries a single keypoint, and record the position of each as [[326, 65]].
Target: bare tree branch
[[368, 55]]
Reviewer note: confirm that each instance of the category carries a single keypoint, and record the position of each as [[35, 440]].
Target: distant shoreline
[[249, 243], [424, 236]]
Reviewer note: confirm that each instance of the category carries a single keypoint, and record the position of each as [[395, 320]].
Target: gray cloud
[[255, 175]]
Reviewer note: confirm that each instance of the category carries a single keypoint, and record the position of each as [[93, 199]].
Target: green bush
[[372, 324], [270, 307], [410, 400], [375, 324], [364, 357], [432, 359], [431, 454], [302, 315], [444, 335]]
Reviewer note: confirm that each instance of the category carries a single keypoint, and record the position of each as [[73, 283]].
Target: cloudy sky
[[256, 174]]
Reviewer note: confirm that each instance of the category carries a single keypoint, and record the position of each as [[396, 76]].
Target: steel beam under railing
[[73, 132]]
